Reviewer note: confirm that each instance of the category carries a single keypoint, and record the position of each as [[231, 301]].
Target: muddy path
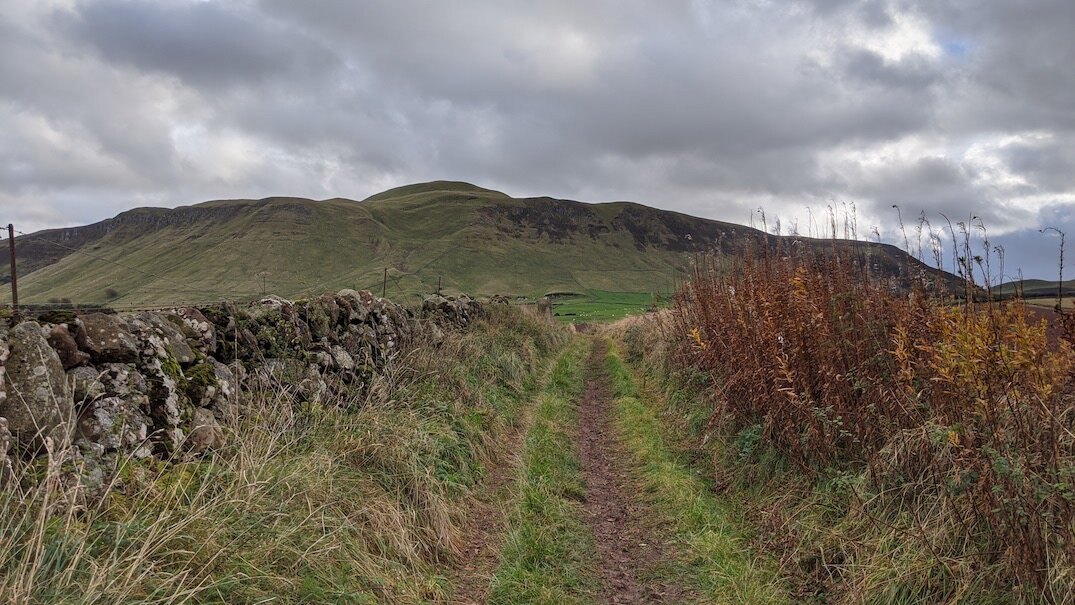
[[628, 540]]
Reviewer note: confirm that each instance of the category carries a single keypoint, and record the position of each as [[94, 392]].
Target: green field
[[1049, 302], [600, 305]]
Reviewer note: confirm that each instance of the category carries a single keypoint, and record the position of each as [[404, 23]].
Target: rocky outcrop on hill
[[164, 383]]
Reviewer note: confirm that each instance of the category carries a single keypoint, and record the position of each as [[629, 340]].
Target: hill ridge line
[[453, 235]]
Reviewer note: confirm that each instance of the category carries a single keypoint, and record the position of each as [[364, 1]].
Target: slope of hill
[[1037, 288], [476, 240]]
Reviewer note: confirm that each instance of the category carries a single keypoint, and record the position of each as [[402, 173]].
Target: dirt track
[[627, 540]]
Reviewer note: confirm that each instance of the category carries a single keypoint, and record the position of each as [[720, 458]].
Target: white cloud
[[908, 35]]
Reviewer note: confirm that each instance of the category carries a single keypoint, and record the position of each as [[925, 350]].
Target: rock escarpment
[[164, 383]]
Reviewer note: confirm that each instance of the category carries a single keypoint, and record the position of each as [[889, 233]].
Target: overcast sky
[[714, 108]]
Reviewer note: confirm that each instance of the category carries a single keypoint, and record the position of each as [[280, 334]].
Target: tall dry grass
[[353, 501], [959, 415]]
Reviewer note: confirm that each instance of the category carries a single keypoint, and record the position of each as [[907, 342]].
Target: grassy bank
[[712, 555], [548, 556], [358, 502]]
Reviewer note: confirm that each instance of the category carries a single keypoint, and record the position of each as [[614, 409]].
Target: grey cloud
[[1049, 165], [914, 73], [934, 184], [872, 13], [205, 44], [1017, 70], [875, 14], [826, 8], [713, 108]]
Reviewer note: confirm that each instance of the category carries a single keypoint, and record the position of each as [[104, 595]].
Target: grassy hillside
[[1036, 288], [476, 240]]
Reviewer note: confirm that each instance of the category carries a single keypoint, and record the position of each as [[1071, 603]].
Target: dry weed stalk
[[972, 402]]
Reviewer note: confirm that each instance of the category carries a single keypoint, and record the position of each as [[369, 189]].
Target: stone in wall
[[322, 315], [85, 385], [453, 310], [161, 339], [342, 360], [205, 432], [113, 424], [313, 386], [38, 404], [106, 338], [61, 340], [200, 332], [221, 397], [5, 448], [167, 404]]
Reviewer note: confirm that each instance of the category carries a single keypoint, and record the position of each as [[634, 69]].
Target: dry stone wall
[[162, 383]]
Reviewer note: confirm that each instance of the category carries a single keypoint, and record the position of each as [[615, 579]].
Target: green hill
[[475, 240], [1036, 288]]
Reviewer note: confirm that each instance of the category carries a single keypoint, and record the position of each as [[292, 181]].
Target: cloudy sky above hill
[[715, 108]]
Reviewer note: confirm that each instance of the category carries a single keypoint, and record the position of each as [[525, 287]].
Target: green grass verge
[[549, 555], [713, 556]]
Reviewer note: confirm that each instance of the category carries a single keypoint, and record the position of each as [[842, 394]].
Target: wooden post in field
[[438, 285], [384, 284], [14, 276], [262, 275]]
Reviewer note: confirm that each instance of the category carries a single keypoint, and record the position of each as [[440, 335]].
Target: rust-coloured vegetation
[[942, 403]]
